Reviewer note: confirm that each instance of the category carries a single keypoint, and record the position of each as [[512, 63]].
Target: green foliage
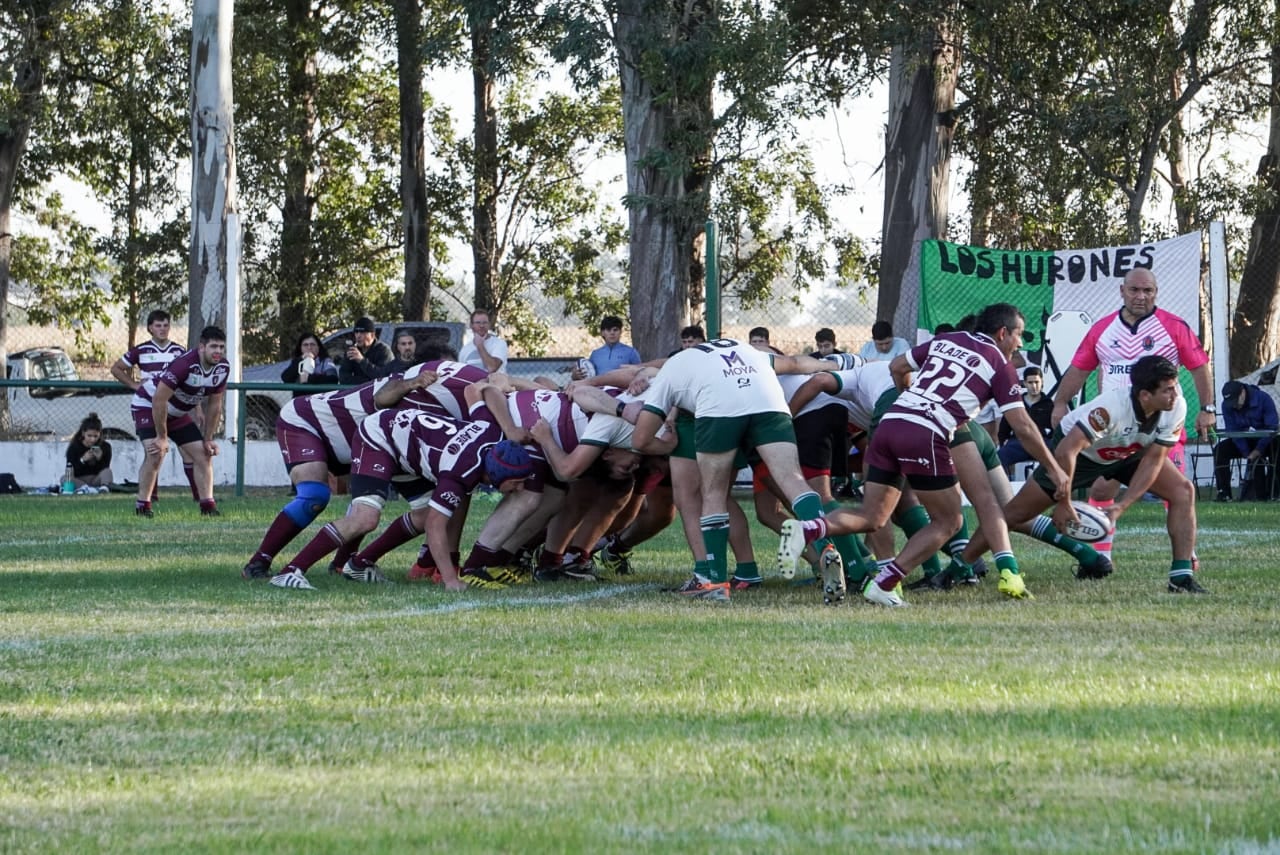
[[338, 126], [62, 272], [554, 224]]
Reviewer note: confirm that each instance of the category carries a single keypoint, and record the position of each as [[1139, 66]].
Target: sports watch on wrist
[[1210, 408]]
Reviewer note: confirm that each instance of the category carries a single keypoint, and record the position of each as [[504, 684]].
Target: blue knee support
[[312, 498]]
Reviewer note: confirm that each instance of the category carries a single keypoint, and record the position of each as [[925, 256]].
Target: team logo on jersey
[[1148, 343], [734, 364], [973, 361], [1099, 418]]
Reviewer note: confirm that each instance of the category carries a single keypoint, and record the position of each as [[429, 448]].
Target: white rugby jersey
[[1115, 430], [718, 378], [860, 388]]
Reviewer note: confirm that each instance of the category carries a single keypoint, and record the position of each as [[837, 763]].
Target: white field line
[[28, 645], [1204, 531]]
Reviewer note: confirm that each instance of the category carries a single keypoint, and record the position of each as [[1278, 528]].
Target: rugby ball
[[1093, 526]]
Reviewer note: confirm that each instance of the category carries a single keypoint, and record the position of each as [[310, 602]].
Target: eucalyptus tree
[[124, 139], [318, 135], [29, 33], [106, 105], [707, 92], [1256, 323]]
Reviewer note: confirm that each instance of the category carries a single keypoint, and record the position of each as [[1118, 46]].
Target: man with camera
[[365, 355]]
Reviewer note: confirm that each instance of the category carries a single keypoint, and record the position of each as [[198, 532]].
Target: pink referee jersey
[[1113, 346]]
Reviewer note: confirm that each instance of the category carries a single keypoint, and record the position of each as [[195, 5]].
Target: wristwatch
[[1210, 408]]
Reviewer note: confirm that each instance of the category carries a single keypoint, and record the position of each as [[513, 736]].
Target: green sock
[[863, 566], [702, 568], [960, 539], [715, 534], [747, 571], [1179, 568], [807, 506], [846, 544], [1006, 561], [911, 521], [1042, 529]]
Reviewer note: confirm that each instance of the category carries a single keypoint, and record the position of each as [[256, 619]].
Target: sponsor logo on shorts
[[1099, 418], [921, 461]]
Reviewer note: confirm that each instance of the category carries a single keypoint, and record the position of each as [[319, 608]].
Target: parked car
[[263, 406], [56, 413]]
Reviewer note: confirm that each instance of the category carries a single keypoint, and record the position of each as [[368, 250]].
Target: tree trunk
[[28, 73], [296, 273], [212, 162], [1256, 323], [413, 164], [484, 208], [667, 139], [922, 87]]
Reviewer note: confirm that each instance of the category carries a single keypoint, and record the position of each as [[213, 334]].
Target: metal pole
[[1218, 303], [713, 281]]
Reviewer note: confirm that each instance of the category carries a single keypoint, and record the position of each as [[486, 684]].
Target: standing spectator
[[825, 339], [310, 364], [613, 353], [406, 355], [884, 345], [1039, 407], [1245, 408], [162, 409], [758, 337], [365, 355], [89, 456], [1114, 344], [150, 358], [485, 350]]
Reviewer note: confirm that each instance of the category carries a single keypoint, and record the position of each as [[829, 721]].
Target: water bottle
[[68, 482]]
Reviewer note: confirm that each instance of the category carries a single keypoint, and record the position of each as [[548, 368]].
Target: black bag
[[9, 484], [1257, 483]]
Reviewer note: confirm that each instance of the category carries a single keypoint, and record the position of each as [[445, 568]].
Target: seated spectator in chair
[[1245, 408], [1039, 407]]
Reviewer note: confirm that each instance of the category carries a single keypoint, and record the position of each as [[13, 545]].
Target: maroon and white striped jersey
[[333, 416], [570, 425], [151, 358], [444, 451], [189, 380], [956, 373], [447, 395]]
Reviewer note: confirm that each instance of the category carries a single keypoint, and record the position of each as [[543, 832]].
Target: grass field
[[151, 700]]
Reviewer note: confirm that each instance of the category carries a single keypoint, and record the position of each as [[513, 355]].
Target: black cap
[[1231, 391], [366, 324]]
